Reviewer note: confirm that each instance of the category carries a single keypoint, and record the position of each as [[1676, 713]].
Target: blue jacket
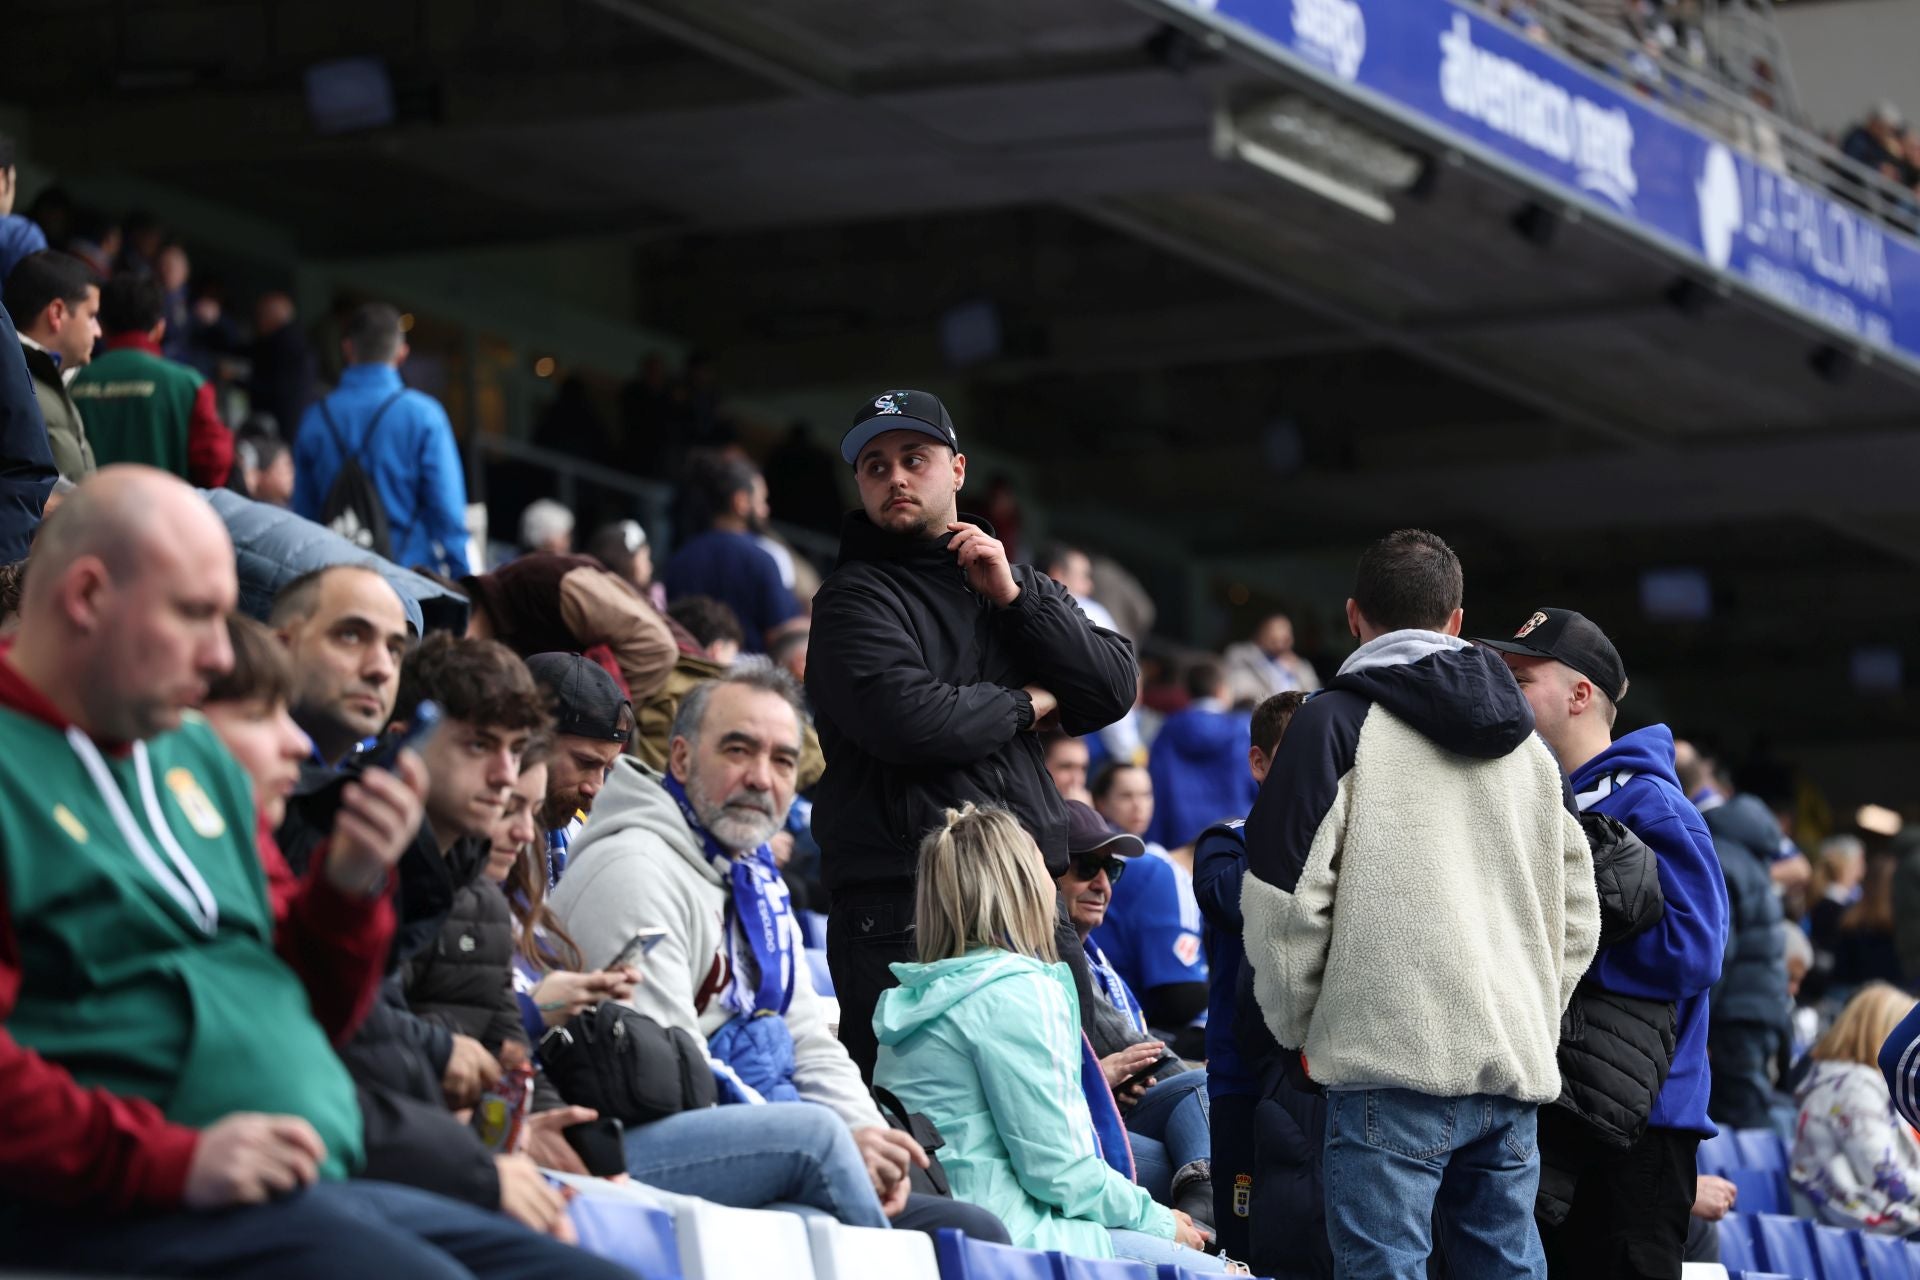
[[1152, 930], [737, 571], [19, 236], [1199, 770], [26, 459], [1678, 959], [413, 462], [1219, 865]]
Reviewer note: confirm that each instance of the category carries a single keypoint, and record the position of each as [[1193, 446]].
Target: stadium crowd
[[353, 881]]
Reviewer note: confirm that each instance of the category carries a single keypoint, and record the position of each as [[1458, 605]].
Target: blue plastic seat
[[1786, 1245], [1772, 1275], [962, 1258], [1760, 1149], [636, 1236], [1885, 1257], [1913, 1256], [1761, 1190], [1168, 1271], [1839, 1253], [1718, 1154], [1737, 1250], [1070, 1268]]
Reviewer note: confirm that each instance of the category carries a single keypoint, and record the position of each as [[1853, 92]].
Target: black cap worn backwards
[[898, 411], [586, 701], [1571, 638]]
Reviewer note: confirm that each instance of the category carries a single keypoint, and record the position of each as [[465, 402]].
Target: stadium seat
[[962, 1258], [854, 1253], [1068, 1268], [1703, 1271], [633, 1235], [1786, 1245], [1772, 1275], [1737, 1251], [719, 1243], [1760, 1149], [1168, 1271], [1761, 1190], [817, 969], [1839, 1253], [1913, 1256], [1885, 1257], [813, 927], [1718, 1154]]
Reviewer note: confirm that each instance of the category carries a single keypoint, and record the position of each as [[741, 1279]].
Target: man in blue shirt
[[1630, 1210], [402, 440], [727, 562]]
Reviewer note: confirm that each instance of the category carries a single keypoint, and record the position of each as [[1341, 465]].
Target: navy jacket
[[1679, 958], [1753, 978], [1219, 864], [27, 472]]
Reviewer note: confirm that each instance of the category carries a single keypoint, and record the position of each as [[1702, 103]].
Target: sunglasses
[[1087, 866]]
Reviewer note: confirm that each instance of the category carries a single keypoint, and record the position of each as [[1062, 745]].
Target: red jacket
[[73, 1145]]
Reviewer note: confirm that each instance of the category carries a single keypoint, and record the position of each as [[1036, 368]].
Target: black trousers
[[1631, 1209], [1232, 1118]]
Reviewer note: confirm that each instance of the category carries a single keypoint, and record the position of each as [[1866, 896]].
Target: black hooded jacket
[[917, 689]]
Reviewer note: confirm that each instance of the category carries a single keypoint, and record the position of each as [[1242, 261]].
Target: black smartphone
[[600, 1145], [1164, 1066]]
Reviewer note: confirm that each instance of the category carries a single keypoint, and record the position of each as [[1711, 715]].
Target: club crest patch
[[1528, 628], [1242, 1194], [1187, 948], [200, 811], [70, 824]]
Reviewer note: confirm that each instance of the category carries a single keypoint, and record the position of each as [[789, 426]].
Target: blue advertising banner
[[1499, 93]]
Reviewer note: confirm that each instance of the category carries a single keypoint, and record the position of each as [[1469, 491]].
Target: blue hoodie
[[1199, 770], [1679, 958]]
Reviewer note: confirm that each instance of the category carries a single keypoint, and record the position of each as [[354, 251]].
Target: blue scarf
[[1115, 988], [557, 842], [760, 912]]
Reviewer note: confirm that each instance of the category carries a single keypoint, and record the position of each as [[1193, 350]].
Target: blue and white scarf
[[760, 913], [1118, 994]]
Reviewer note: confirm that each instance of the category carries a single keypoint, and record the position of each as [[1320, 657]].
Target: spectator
[[593, 722], [726, 562], [1072, 568], [571, 424], [1414, 795], [712, 624], [1865, 950], [27, 472], [346, 633], [622, 548], [19, 235], [140, 241], [1618, 1181], [981, 1036], [808, 483], [646, 411], [266, 466], [95, 241], [1853, 1157], [12, 577], [212, 341], [56, 307], [1151, 934], [1066, 758], [1265, 665], [1748, 1009], [1905, 851], [282, 366], [1166, 1113], [546, 525], [273, 1112], [927, 686], [401, 439], [172, 269], [789, 652], [141, 407], [688, 853], [1877, 144], [1198, 764], [1279, 1221]]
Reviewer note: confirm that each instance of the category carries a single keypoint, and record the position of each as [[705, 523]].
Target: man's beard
[[735, 821], [558, 811]]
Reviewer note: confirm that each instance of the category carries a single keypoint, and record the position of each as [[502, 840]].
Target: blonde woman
[[1853, 1155], [983, 1035]]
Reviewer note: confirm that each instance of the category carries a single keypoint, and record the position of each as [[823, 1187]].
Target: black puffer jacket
[[1753, 981], [1615, 1050], [916, 683], [463, 979]]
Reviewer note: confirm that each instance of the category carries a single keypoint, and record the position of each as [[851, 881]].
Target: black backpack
[[353, 508], [627, 1066]]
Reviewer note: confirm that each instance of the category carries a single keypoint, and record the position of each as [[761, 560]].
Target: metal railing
[[1696, 95]]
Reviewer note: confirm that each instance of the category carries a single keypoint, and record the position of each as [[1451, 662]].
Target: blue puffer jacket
[[273, 546], [1753, 979], [760, 1051]]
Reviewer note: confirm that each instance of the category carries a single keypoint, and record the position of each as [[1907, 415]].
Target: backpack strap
[[339, 441]]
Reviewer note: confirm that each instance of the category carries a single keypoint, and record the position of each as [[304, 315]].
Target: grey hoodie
[[636, 865]]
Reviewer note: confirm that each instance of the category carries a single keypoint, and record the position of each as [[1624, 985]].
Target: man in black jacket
[[933, 661], [26, 459]]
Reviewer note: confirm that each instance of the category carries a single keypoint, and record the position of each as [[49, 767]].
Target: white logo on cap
[[1537, 620], [889, 403]]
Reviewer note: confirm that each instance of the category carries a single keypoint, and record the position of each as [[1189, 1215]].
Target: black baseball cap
[[898, 411], [586, 701], [1088, 832], [1571, 638]]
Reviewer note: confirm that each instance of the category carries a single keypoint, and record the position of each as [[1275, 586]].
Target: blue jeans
[[1169, 1128], [748, 1157], [1400, 1165], [1141, 1247], [329, 1230]]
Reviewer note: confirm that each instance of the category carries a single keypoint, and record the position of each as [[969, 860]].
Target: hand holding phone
[[637, 946]]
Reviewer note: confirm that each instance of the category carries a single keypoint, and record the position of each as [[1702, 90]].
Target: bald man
[[159, 1059]]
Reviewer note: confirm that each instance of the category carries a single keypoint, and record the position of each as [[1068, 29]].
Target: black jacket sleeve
[[1091, 670], [26, 459], [396, 1050], [1219, 862], [1627, 875], [868, 678], [1315, 754], [419, 1145]]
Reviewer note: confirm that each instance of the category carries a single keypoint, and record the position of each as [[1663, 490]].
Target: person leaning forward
[[933, 661]]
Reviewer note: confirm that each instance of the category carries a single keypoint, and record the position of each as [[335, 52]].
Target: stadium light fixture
[[1303, 143]]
